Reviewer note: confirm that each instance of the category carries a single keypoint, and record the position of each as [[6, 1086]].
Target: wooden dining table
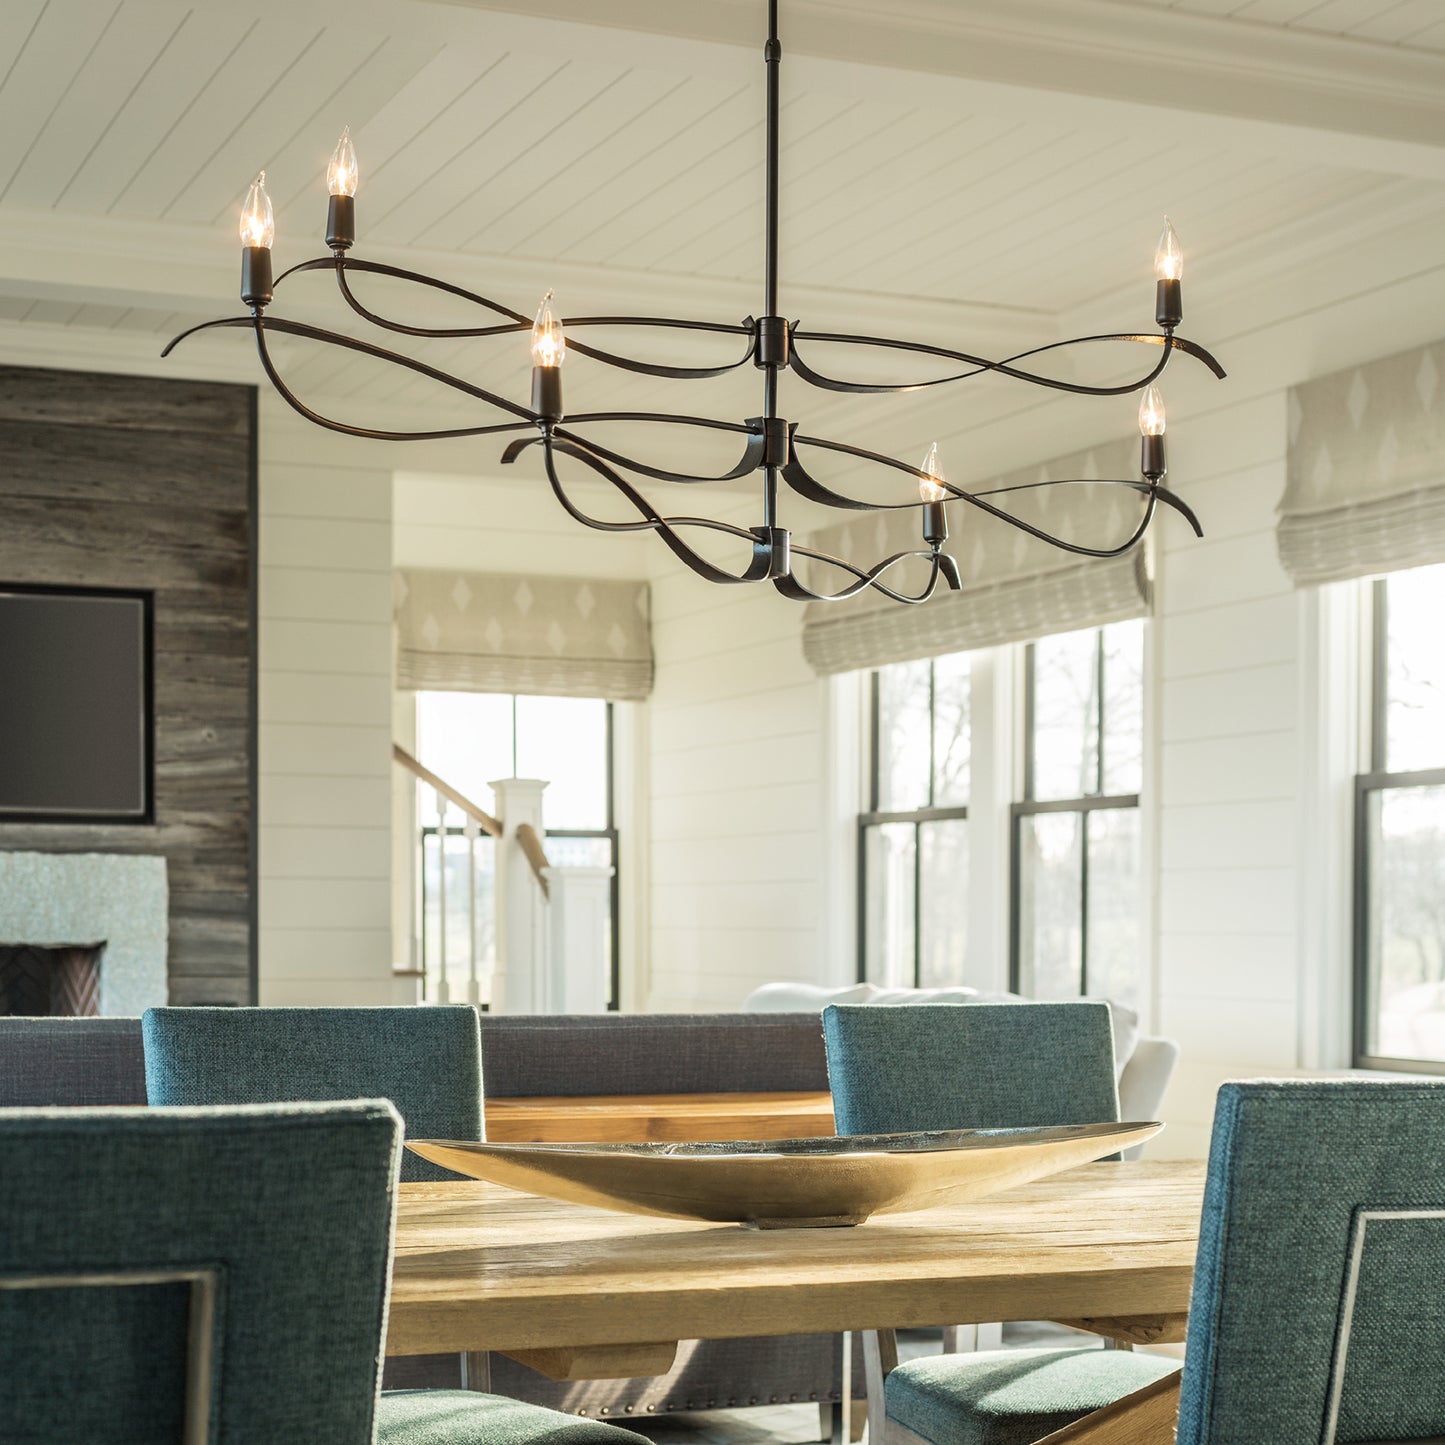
[[582, 1293]]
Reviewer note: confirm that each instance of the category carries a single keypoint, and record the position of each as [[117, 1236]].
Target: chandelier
[[772, 445]]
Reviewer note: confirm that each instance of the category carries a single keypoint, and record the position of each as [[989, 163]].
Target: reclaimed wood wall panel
[[116, 481]]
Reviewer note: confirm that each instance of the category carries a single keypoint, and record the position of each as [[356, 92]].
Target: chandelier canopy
[[772, 445]]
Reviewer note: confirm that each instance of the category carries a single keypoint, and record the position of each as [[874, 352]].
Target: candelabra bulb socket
[[547, 393], [1168, 303], [935, 524], [1151, 457], [341, 222], [256, 282]]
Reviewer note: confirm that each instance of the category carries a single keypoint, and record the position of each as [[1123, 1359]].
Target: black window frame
[[609, 833], [1377, 779], [873, 817], [1085, 805]]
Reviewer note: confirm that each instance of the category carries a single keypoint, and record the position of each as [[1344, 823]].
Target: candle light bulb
[[1151, 412], [1169, 254], [341, 174], [929, 485], [549, 345], [258, 222]]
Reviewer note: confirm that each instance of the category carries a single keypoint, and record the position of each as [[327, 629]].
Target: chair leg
[[837, 1419], [880, 1357], [960, 1339], [990, 1336]]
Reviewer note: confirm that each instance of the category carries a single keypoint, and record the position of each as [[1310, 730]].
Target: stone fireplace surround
[[57, 899]]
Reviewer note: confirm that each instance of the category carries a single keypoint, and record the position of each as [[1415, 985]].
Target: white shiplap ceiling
[[614, 148]]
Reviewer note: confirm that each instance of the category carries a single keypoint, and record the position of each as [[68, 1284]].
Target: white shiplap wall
[[1226, 641], [737, 794], [325, 720]]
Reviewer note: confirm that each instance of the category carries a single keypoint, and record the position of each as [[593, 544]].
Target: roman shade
[[1366, 475], [559, 636], [1015, 587]]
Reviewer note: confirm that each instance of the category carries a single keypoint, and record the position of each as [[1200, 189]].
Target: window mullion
[[1083, 904], [918, 905]]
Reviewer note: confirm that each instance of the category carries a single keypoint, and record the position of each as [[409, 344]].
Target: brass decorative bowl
[[788, 1183]]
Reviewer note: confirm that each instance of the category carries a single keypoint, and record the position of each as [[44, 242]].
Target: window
[[469, 740], [913, 840], [1076, 892], [1400, 832]]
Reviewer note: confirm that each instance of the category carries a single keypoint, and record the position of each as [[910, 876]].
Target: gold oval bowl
[[788, 1183]]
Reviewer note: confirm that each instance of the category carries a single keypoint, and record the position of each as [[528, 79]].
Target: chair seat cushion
[[1013, 1397], [465, 1417]]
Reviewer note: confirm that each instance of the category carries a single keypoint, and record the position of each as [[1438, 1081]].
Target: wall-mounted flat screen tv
[[76, 669]]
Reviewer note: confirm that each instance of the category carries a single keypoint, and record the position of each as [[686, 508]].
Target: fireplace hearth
[[52, 903], [62, 981]]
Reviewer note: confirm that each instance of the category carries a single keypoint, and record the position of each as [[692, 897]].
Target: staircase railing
[[479, 821]]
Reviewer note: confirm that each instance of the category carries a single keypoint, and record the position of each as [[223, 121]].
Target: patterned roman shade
[[1366, 476], [1015, 587], [561, 636]]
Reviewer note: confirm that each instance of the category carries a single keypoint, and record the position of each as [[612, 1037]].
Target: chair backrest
[[986, 1066], [194, 1275], [427, 1061], [570, 1054], [88, 1062], [1318, 1309]]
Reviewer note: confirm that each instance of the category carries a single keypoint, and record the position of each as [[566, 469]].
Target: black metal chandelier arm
[[976, 499], [664, 418], [395, 358], [340, 264], [807, 486], [978, 365], [789, 586], [752, 458], [1170, 499], [300, 407], [651, 519]]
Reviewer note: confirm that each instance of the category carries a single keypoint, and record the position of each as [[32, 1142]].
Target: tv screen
[[75, 706]]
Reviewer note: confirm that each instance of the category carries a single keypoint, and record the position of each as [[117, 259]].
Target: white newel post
[[580, 906], [519, 984]]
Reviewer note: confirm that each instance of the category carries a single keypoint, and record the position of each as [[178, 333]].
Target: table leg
[[880, 1356], [477, 1371]]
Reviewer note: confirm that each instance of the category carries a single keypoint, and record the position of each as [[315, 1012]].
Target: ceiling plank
[[1328, 98]]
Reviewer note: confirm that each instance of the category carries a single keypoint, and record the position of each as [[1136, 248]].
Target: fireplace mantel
[[54, 899]]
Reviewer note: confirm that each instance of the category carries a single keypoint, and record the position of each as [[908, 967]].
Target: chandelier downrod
[[771, 442]]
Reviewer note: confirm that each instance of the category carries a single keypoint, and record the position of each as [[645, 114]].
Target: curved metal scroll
[[518, 323], [977, 365], [652, 520], [752, 458], [942, 566], [802, 482], [261, 325]]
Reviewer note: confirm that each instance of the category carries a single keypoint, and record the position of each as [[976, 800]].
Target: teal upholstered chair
[[1318, 1309], [206, 1275], [984, 1066], [427, 1061]]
